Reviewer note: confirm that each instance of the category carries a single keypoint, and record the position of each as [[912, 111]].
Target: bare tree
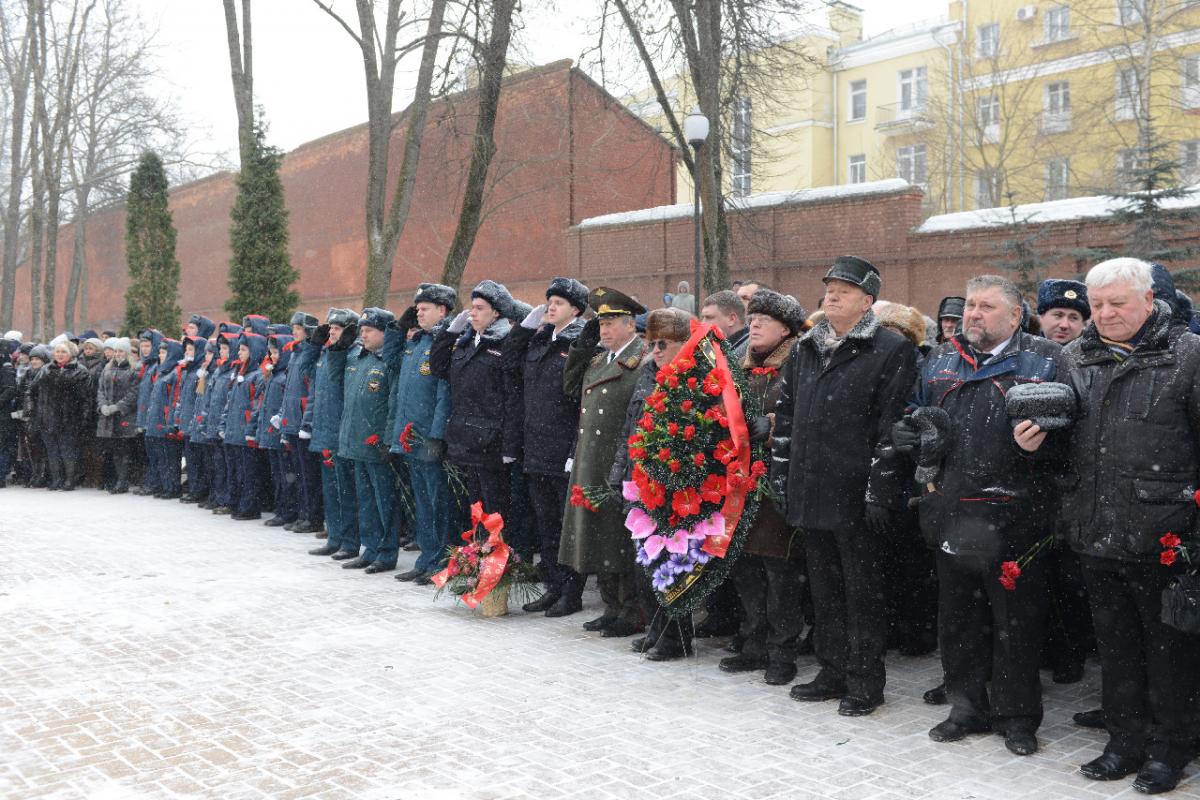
[[15, 52], [381, 55], [241, 67]]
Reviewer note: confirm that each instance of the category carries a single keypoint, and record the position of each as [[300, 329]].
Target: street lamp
[[695, 130]]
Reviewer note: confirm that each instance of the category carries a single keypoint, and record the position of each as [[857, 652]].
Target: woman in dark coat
[[116, 402], [9, 395], [63, 408]]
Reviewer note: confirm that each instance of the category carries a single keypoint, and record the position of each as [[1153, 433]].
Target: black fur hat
[[496, 294], [1050, 405], [570, 290], [779, 307], [858, 271], [307, 320], [444, 296], [517, 311], [1056, 293], [377, 318]]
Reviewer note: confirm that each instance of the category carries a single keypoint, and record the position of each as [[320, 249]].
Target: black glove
[[436, 449], [879, 519], [407, 320], [779, 490], [905, 436], [589, 337], [759, 428], [349, 334], [320, 336]]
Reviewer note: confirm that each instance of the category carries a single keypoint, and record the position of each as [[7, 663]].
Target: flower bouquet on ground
[[485, 565], [696, 477]]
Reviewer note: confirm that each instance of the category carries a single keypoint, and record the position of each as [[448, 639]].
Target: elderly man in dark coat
[[844, 384], [1136, 453], [597, 541]]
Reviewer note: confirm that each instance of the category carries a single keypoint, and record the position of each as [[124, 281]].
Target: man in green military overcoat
[[596, 541]]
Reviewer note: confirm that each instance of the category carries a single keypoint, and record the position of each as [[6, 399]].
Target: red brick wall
[[565, 151]]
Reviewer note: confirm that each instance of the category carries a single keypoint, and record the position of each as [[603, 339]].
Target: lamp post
[[695, 130]]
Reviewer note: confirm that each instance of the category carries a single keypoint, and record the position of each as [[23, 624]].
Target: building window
[[1189, 161], [910, 163], [987, 44], [740, 146], [1057, 181], [858, 169], [987, 188], [1129, 12], [1190, 82], [1058, 23], [988, 116], [858, 100], [1127, 168], [1056, 108], [1127, 93], [914, 89]]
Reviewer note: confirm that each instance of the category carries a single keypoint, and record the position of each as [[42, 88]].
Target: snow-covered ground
[[148, 649]]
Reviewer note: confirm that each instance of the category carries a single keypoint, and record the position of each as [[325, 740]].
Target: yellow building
[[1000, 102]]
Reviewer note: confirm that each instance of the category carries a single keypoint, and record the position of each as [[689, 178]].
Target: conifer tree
[[151, 301], [260, 270]]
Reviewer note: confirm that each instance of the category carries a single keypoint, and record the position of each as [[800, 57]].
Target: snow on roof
[[762, 200], [1052, 211]]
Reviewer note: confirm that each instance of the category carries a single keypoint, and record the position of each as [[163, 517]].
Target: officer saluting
[[596, 541]]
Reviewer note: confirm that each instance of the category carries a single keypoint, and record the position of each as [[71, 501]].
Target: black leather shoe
[[541, 604], [1110, 767], [342, 555], [241, 517], [735, 645], [377, 567], [951, 731], [323, 551], [304, 526], [275, 522], [424, 579], [566, 606], [642, 644], [1155, 777], [619, 628], [1090, 719], [742, 663], [410, 575], [1021, 743], [357, 563], [599, 623], [188, 498], [666, 651], [935, 696], [287, 526], [858, 706], [780, 674], [818, 690]]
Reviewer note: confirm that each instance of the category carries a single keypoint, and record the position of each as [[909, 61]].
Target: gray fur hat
[[570, 290], [1050, 405], [496, 294], [517, 310], [438, 293], [780, 307], [341, 316]]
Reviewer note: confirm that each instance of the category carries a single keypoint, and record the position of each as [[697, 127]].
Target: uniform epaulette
[[596, 359], [631, 362]]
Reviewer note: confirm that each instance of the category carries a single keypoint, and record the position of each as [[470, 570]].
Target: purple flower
[[663, 578], [642, 558]]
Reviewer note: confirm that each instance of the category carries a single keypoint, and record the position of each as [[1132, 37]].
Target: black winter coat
[[550, 416], [64, 399], [118, 385], [10, 396], [831, 418], [486, 412], [1136, 449]]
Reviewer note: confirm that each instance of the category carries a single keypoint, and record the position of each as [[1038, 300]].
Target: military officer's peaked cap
[[608, 302]]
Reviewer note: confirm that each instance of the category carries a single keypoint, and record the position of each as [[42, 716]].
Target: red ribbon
[[491, 567], [735, 498]]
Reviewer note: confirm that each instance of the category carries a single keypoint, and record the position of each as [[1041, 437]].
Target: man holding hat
[[1062, 307], [597, 541], [538, 350], [950, 314], [844, 384]]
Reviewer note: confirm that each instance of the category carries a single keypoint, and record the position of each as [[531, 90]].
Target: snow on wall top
[[762, 200], [1040, 213]]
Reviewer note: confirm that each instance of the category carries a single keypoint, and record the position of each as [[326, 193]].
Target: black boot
[[70, 476], [56, 478], [543, 603]]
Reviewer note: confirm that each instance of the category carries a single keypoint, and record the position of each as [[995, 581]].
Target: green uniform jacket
[[368, 406], [597, 541]]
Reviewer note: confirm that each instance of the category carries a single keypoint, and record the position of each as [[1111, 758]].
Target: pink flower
[[639, 523]]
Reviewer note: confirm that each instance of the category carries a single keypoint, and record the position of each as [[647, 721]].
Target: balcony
[[1054, 122], [892, 119]]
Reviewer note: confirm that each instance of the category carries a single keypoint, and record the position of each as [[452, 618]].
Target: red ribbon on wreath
[[735, 497], [491, 567]]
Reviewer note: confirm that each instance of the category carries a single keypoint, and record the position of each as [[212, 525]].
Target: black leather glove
[[320, 336], [879, 519], [407, 320], [436, 448], [905, 436], [349, 334], [589, 337], [759, 428]]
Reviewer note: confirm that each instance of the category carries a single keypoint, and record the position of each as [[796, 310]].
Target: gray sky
[[308, 74]]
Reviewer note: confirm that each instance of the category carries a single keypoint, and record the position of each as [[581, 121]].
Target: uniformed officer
[[596, 541]]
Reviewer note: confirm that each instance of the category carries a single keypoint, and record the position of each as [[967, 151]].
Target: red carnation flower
[[674, 465], [689, 432], [1008, 583], [713, 383], [1168, 557], [686, 406], [328, 462], [673, 381], [372, 440], [637, 453], [672, 428], [326, 454], [646, 423], [698, 459], [758, 469], [684, 363], [1009, 572], [1170, 541], [692, 382], [664, 454], [634, 440], [406, 438]]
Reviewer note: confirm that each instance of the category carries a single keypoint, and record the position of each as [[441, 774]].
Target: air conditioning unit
[[1026, 13]]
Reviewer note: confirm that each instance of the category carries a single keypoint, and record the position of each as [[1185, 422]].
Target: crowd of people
[[1014, 485]]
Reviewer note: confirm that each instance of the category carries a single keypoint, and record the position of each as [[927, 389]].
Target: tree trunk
[[19, 91], [241, 71], [36, 232], [483, 145], [77, 259]]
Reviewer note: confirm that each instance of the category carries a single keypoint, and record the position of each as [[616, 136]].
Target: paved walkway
[[148, 649]]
